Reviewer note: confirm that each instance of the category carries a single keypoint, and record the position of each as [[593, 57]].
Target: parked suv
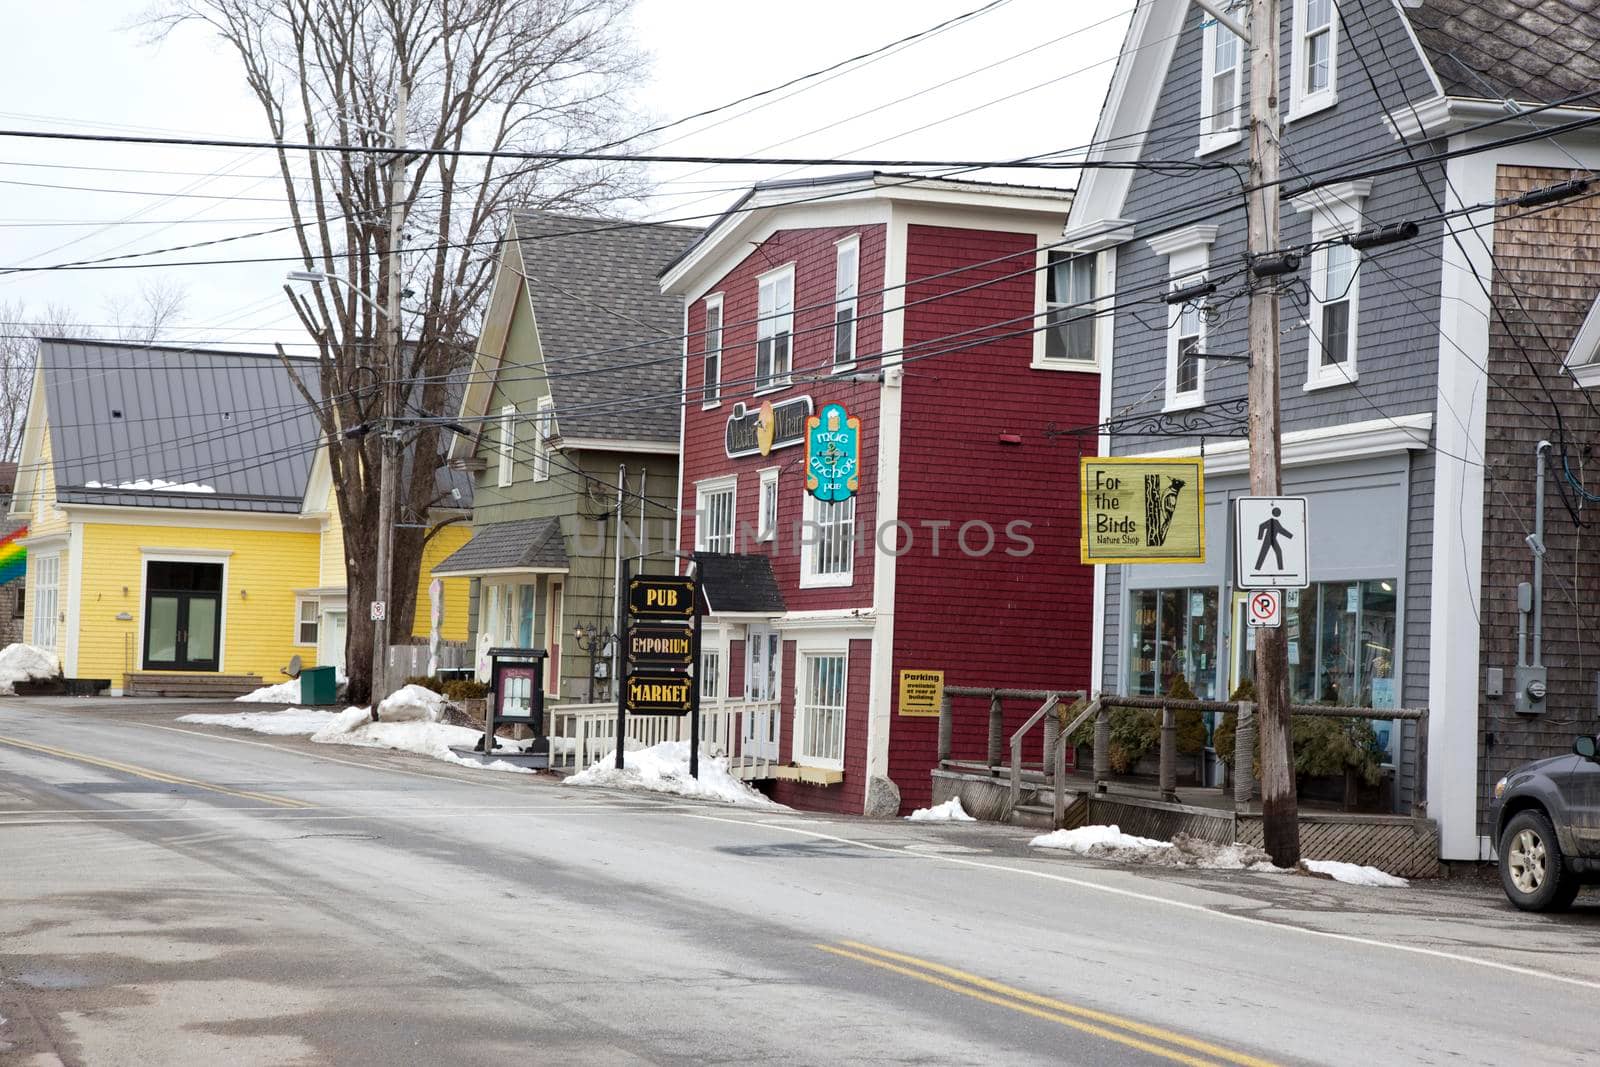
[[1546, 819]]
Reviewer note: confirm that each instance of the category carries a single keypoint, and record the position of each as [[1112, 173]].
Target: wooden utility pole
[[393, 396], [1280, 817]]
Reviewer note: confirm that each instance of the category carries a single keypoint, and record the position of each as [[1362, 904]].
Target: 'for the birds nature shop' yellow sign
[[1143, 511]]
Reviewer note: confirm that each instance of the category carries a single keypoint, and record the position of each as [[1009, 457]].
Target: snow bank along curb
[[664, 768], [1109, 842], [950, 811], [25, 663], [354, 726]]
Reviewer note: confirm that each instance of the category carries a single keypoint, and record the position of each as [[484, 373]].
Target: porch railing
[[744, 734], [1058, 751]]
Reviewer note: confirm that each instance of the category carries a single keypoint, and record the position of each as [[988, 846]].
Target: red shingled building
[[943, 317]]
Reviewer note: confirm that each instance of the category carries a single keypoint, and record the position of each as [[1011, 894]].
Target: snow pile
[[664, 768], [292, 722], [24, 663], [1109, 842], [282, 693], [354, 726], [1097, 839], [412, 703], [153, 485], [1354, 873], [950, 811]]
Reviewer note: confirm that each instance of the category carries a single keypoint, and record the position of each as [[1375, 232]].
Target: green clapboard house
[[574, 385]]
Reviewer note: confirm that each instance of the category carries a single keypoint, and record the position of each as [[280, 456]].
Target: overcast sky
[[1032, 74]]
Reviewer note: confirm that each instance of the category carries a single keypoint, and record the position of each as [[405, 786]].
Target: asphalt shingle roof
[[1535, 51], [593, 288], [126, 414], [508, 546], [738, 583]]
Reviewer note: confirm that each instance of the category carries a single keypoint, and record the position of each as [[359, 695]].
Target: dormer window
[[1220, 88], [1314, 76]]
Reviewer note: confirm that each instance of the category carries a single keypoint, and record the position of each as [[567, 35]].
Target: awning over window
[[530, 545], [739, 584]]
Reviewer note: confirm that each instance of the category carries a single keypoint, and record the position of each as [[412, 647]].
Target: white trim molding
[[1323, 444]]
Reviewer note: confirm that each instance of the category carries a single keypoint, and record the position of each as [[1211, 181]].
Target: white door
[[763, 667], [330, 645]]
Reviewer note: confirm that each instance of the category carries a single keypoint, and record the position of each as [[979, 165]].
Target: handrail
[[1016, 744]]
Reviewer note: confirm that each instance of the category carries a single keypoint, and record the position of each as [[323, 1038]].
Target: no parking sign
[[1265, 609]]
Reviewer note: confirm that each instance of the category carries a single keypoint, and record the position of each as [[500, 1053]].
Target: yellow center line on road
[[1087, 1020], [151, 775]]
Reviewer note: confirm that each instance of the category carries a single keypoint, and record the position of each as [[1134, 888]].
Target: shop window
[[1173, 632]]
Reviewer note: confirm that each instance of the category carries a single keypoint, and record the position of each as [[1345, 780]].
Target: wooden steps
[[220, 686]]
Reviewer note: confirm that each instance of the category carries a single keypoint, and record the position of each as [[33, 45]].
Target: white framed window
[[307, 615], [544, 431], [820, 712], [846, 275], [714, 506], [767, 511], [711, 395], [1188, 253], [710, 673], [46, 605], [827, 544], [1221, 81], [508, 444], [774, 328], [1070, 307], [1333, 313], [1186, 371], [1314, 77]]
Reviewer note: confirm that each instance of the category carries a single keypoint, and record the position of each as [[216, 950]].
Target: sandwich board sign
[[1269, 535]]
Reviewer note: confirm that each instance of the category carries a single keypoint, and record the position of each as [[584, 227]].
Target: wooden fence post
[[1169, 754], [1244, 757], [946, 728], [997, 731], [1052, 735], [1102, 749]]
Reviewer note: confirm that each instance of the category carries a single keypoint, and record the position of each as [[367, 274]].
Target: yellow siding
[[333, 572], [456, 590], [47, 517], [264, 570]]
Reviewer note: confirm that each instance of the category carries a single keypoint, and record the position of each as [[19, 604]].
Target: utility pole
[[389, 441], [1280, 817]]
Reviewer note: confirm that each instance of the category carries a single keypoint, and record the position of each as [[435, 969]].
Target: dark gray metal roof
[[738, 583], [1531, 50], [592, 284], [122, 414], [516, 545]]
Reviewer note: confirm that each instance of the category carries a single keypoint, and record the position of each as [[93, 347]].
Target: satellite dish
[[293, 669]]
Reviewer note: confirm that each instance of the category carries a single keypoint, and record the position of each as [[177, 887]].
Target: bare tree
[[143, 320], [496, 74], [20, 330]]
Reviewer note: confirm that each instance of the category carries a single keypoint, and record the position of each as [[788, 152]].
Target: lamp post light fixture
[[598, 644]]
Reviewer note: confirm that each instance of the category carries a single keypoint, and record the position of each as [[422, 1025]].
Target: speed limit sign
[[1265, 609]]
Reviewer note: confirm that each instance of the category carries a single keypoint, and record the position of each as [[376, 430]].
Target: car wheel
[[1532, 869]]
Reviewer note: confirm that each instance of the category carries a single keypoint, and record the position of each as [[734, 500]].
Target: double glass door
[[182, 616]]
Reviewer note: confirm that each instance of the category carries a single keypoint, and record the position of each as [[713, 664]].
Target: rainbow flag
[[13, 556]]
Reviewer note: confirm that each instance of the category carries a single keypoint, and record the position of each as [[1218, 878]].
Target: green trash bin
[[317, 686]]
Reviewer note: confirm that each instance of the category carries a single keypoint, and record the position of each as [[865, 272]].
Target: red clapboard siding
[[849, 796], [998, 619], [812, 252]]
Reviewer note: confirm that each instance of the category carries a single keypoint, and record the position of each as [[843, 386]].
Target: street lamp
[[598, 644], [317, 277]]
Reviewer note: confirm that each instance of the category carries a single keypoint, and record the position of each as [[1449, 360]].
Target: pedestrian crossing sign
[[1269, 536]]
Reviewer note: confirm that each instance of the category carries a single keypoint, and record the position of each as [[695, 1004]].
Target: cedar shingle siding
[[1551, 259]]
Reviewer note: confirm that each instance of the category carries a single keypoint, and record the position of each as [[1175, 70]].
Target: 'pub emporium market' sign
[[757, 432], [833, 454]]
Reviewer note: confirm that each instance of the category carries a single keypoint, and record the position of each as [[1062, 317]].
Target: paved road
[[173, 895]]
